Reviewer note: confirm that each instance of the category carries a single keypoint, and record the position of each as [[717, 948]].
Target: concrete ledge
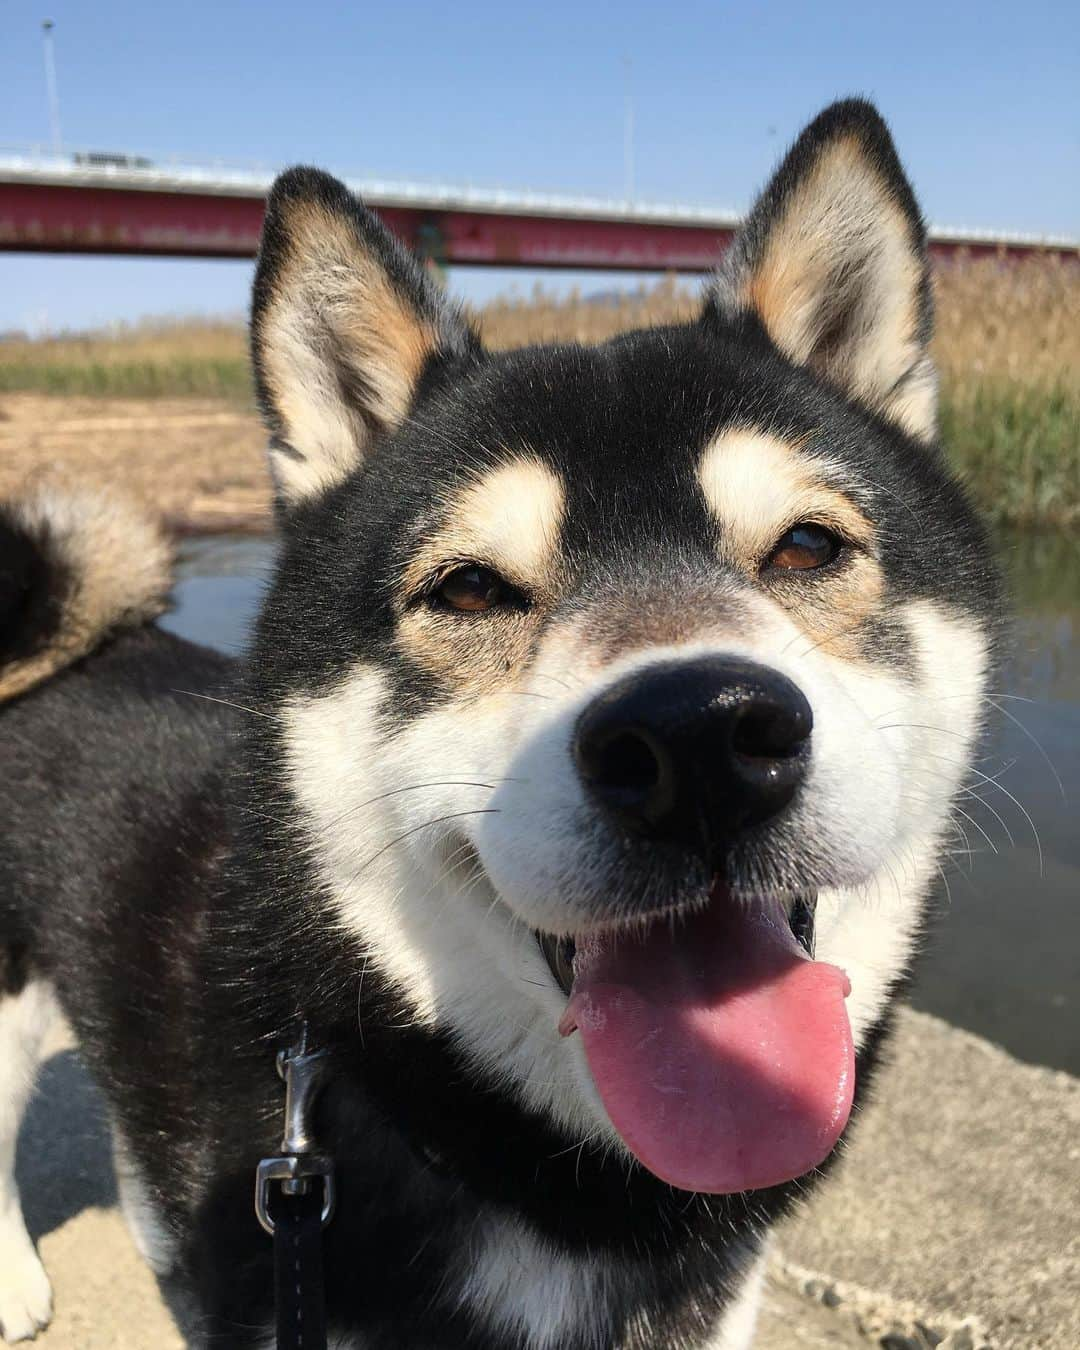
[[956, 1213], [953, 1222]]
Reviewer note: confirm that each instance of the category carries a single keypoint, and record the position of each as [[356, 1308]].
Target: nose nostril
[[625, 762], [768, 732], [625, 769], [693, 753]]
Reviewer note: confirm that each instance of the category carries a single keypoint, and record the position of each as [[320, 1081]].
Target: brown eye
[[805, 547], [471, 588]]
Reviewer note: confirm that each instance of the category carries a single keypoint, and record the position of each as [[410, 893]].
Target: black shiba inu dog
[[580, 794]]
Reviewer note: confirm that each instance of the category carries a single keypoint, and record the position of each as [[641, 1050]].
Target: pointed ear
[[344, 323], [833, 261]]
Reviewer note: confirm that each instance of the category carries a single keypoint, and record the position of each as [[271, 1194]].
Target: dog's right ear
[[344, 323]]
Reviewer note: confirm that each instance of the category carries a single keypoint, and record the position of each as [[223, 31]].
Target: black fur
[[152, 866], [34, 585]]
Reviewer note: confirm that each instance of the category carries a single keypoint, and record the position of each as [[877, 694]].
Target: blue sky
[[984, 100]]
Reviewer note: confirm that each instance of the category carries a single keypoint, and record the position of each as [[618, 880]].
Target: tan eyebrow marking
[[758, 485], [509, 518]]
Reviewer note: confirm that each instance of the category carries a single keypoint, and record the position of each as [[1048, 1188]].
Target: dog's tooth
[[801, 920], [559, 954]]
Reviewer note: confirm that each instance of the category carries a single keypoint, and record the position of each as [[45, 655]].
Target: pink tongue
[[722, 1053]]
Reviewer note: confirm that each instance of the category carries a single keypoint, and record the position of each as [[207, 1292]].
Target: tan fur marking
[[509, 519], [331, 294], [474, 656], [758, 486], [119, 565], [834, 611], [796, 268], [842, 236]]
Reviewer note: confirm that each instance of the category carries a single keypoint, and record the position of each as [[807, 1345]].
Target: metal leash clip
[[299, 1163]]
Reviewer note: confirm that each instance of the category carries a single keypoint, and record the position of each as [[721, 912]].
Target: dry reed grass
[[1017, 321], [1008, 346], [543, 317]]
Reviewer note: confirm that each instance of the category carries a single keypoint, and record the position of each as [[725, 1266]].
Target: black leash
[[294, 1201], [300, 1305]]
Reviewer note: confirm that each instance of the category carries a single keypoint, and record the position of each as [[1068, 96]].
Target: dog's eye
[[472, 588], [805, 547]]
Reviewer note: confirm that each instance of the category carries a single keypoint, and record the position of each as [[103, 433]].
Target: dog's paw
[[25, 1292]]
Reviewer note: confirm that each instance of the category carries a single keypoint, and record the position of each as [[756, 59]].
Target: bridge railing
[[118, 187]]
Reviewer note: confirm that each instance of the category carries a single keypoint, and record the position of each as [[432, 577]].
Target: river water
[[1004, 955]]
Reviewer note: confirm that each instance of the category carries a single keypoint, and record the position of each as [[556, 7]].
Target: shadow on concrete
[[64, 1159]]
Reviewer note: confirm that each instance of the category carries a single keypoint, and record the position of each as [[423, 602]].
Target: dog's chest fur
[[463, 1221]]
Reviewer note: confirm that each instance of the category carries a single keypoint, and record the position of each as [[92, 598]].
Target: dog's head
[[612, 682]]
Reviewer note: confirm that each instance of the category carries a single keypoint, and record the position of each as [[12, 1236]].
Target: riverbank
[[168, 408], [945, 1226], [198, 461]]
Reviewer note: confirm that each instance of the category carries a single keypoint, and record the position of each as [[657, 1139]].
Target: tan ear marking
[[336, 321], [383, 337], [832, 260], [344, 322], [811, 270]]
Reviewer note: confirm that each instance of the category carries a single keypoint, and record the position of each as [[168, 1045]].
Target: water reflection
[[1003, 959]]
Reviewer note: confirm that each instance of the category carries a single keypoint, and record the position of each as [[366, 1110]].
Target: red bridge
[[118, 204]]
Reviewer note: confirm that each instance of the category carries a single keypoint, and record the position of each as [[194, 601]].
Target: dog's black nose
[[691, 752]]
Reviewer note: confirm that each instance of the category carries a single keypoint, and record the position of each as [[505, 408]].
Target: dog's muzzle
[[691, 753]]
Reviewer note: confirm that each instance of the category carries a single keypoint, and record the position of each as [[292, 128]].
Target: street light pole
[[47, 26]]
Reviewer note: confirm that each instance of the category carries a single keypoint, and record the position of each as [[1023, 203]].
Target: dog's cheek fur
[[871, 931], [388, 821], [877, 798]]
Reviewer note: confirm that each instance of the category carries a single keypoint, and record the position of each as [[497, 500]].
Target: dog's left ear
[[833, 261], [344, 324]]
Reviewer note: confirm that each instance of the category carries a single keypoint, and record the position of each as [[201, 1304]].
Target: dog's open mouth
[[721, 1049]]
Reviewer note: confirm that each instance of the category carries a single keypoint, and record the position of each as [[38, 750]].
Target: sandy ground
[[953, 1221], [197, 462]]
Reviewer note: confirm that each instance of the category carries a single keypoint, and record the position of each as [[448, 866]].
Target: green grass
[[215, 377], [1018, 448]]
